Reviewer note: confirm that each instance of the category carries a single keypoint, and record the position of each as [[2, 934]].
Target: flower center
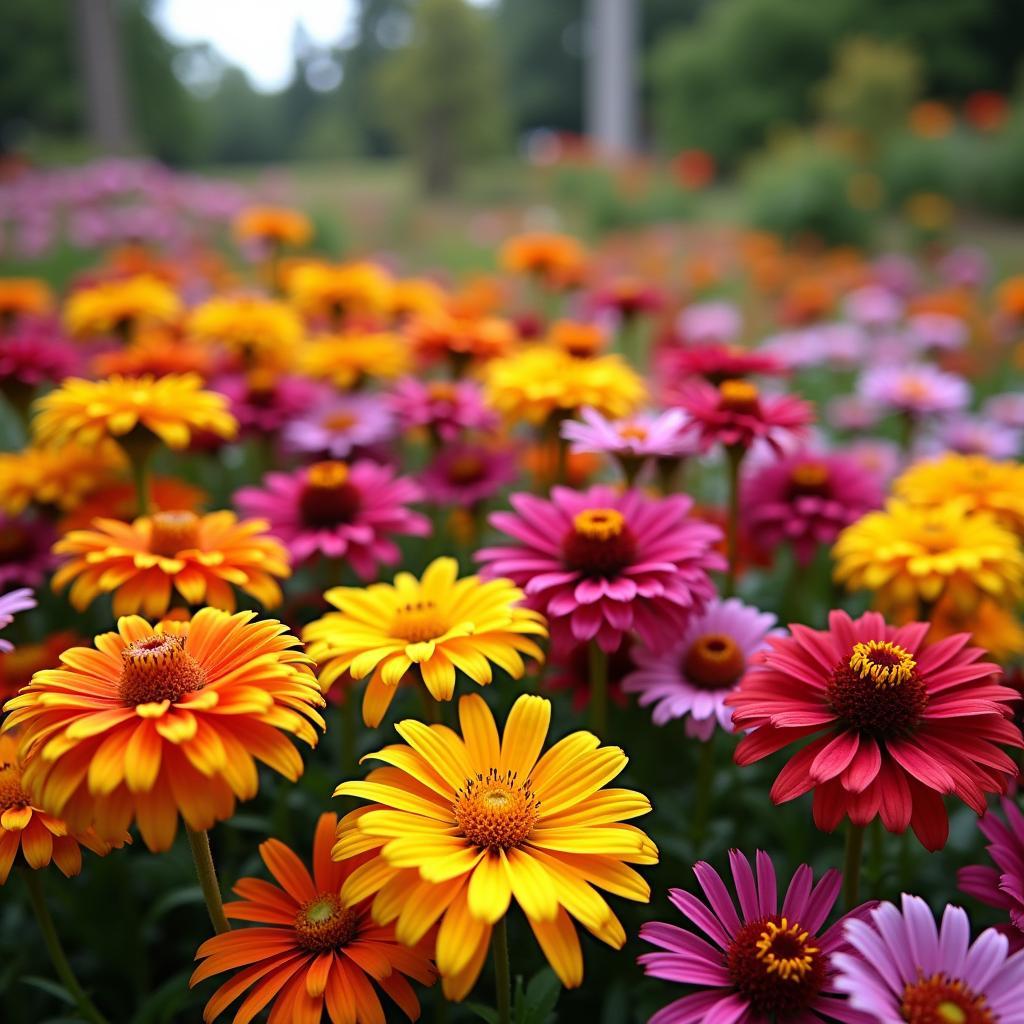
[[418, 621], [714, 662], [158, 668], [466, 469], [495, 812], [581, 341], [327, 498], [442, 391], [171, 532], [809, 479], [339, 421], [878, 690], [633, 432], [738, 396], [777, 966], [323, 923], [11, 793], [15, 543], [938, 1000], [599, 543]]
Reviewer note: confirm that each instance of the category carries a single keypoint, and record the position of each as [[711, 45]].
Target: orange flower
[[119, 500], [273, 225], [312, 953], [23, 295], [577, 339], [18, 666], [1010, 297], [202, 556], [807, 300], [119, 306], [438, 335], [931, 119], [60, 476], [558, 261], [166, 719], [155, 351], [41, 837]]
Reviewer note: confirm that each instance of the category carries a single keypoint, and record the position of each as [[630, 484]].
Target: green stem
[[140, 475], [349, 758], [598, 665], [502, 974], [876, 856], [851, 865], [734, 456], [704, 783], [200, 843], [56, 950]]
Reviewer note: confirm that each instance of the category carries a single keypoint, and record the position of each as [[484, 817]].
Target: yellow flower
[[984, 485], [437, 624], [23, 295], [257, 329], [119, 306], [273, 225], [346, 360], [414, 295], [911, 557], [332, 293], [461, 825], [61, 476], [171, 408], [998, 630]]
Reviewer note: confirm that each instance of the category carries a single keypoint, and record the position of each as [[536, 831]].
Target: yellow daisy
[[117, 307], [432, 626], [61, 476], [333, 293], [273, 225], [258, 330], [462, 824], [347, 360]]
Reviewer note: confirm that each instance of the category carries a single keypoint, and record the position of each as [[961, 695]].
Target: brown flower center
[[15, 543], [11, 793], [339, 421], [466, 469], [323, 923], [714, 662], [418, 621], [810, 479], [171, 532], [938, 1000], [442, 391], [738, 396], [600, 544], [158, 668], [495, 812], [328, 498]]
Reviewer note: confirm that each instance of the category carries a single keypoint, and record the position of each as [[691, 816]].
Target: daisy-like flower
[[156, 352], [23, 297], [430, 627], [21, 600], [260, 331], [340, 427], [39, 837], [17, 666], [715, 363], [339, 510], [627, 297], [166, 719], [736, 414], [120, 501], [902, 969], [692, 679], [60, 476], [1001, 886], [120, 306], [914, 390], [25, 555], [335, 293], [938, 332], [444, 408], [462, 824], [873, 306], [264, 402], [898, 723], [170, 408], [199, 557], [348, 360], [467, 473], [710, 323], [1007, 409], [460, 339], [976, 435], [273, 226], [557, 261], [806, 499], [601, 563], [310, 954], [910, 556], [764, 963], [32, 354], [413, 295]]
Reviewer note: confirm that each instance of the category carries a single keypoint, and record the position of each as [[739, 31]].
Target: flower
[[461, 824], [806, 499], [309, 953], [120, 501], [348, 360], [692, 679], [339, 427], [157, 352], [600, 563], [569, 671], [736, 414], [59, 475], [904, 723], [119, 306], [914, 390], [338, 510], [19, 665], [445, 408], [558, 261], [465, 473], [11, 603], [25, 555], [33, 354], [432, 627], [715, 363], [256, 329], [976, 435], [413, 295], [628, 297], [169, 718], [335, 293], [581, 340], [710, 323], [909, 557], [633, 440], [1001, 886], [459, 339], [40, 837], [901, 968], [200, 556], [273, 226], [1006, 409], [23, 296], [762, 964], [171, 407], [263, 402]]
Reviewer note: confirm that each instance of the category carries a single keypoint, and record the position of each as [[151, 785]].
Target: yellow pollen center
[[323, 923], [418, 621], [158, 668], [783, 949], [339, 421], [809, 474], [633, 432], [598, 523], [942, 1000], [495, 812], [885, 664], [327, 475], [11, 793], [738, 395], [171, 532]]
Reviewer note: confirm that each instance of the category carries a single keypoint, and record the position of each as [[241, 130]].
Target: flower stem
[[734, 456], [598, 665], [851, 865], [704, 782], [502, 973], [56, 950], [200, 843], [140, 474]]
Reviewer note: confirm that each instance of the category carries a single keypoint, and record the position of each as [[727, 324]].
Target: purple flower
[[25, 555], [445, 408], [692, 679], [881, 458], [966, 266], [264, 404], [764, 963], [897, 272], [837, 345], [916, 389], [10, 604], [976, 435], [1007, 409], [874, 306], [341, 427], [937, 331], [466, 473], [852, 412], [34, 353], [901, 968], [709, 322]]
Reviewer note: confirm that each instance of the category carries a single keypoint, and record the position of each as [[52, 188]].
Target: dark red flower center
[[600, 544], [467, 469], [171, 532], [15, 543], [739, 396], [878, 690], [328, 498], [495, 812], [323, 923], [714, 662], [777, 966], [938, 1000], [158, 668], [809, 479]]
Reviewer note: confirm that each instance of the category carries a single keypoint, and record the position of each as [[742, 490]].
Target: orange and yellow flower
[[337, 292], [462, 824], [201, 556], [437, 334], [120, 306], [120, 500], [347, 360], [273, 225], [430, 627], [558, 261], [166, 719], [311, 953], [258, 330], [23, 296], [18, 666], [60, 476], [157, 351]]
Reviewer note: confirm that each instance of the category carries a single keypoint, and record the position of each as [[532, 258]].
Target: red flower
[[904, 723]]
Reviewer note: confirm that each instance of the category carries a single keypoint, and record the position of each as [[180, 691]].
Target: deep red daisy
[[897, 723], [714, 362]]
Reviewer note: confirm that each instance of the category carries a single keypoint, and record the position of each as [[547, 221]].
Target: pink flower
[[873, 306], [466, 473], [1007, 409], [937, 331], [338, 511], [266, 404], [601, 563], [975, 435], [445, 408], [714, 363], [34, 353], [341, 427], [10, 604], [916, 389], [25, 555], [708, 323]]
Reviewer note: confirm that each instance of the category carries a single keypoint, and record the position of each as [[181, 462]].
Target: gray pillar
[[611, 70], [100, 62]]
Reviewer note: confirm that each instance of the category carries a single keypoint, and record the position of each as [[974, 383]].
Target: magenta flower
[[467, 473], [899, 967], [264, 404], [714, 363], [445, 408], [339, 511], [763, 964], [601, 563], [25, 555], [10, 604], [34, 353], [692, 679], [340, 428], [1001, 886], [917, 390], [837, 345], [805, 499]]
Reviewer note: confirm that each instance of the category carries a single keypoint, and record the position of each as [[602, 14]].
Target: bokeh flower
[[21, 600], [273, 226], [57, 476], [348, 360], [25, 550], [22, 297], [557, 261], [264, 402], [914, 390], [340, 427], [254, 329], [466, 473], [333, 294], [119, 306], [445, 408]]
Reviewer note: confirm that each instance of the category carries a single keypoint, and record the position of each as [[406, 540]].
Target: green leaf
[[184, 895], [487, 1013], [49, 986]]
